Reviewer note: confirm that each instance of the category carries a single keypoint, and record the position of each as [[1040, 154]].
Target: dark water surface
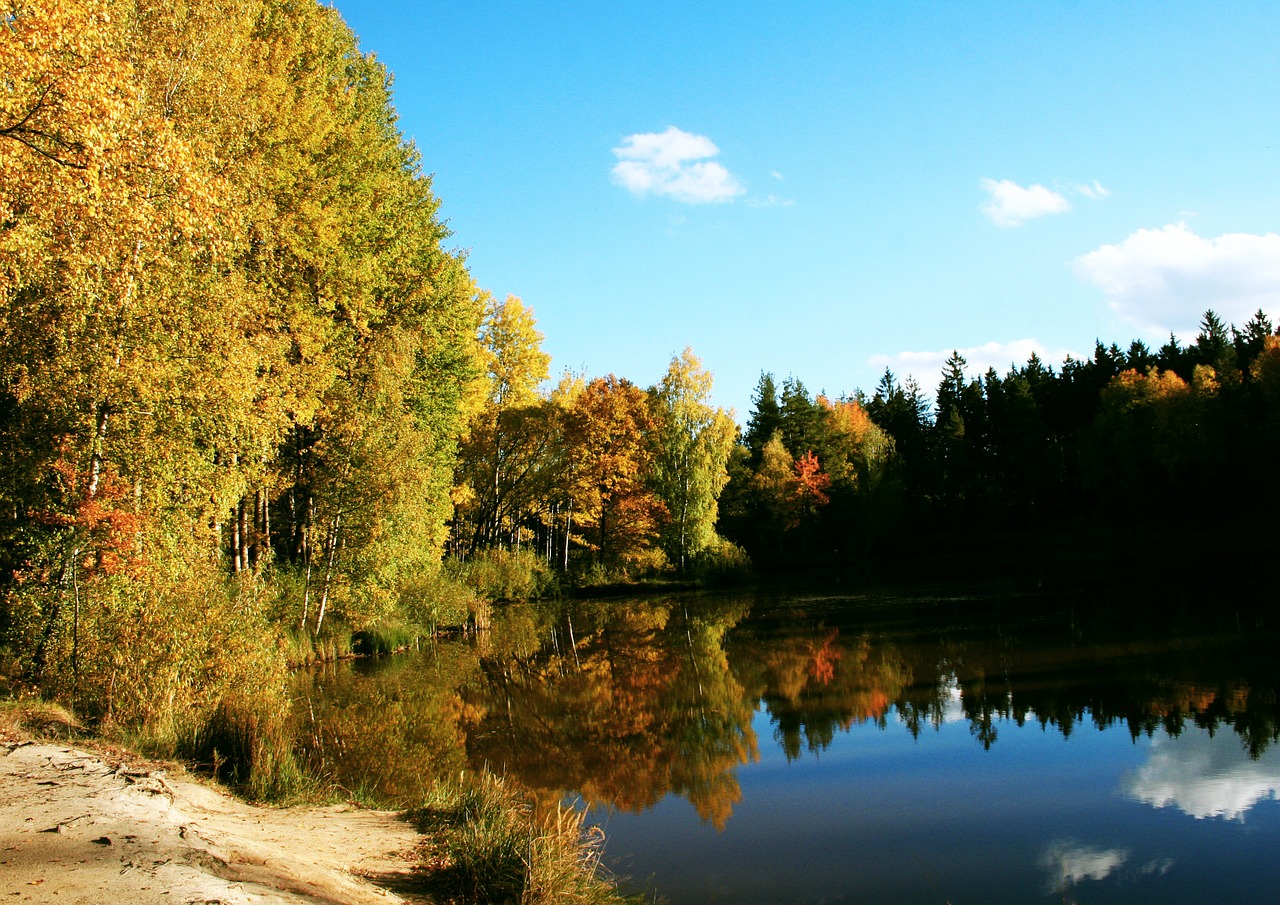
[[820, 749]]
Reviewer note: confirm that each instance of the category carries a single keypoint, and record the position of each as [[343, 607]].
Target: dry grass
[[37, 719], [491, 847]]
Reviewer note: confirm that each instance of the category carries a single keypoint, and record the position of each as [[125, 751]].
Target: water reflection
[[386, 730], [786, 750], [632, 702], [816, 681], [626, 701], [1069, 863], [1205, 775]]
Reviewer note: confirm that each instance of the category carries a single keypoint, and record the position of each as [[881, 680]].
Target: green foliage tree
[[692, 442], [230, 336]]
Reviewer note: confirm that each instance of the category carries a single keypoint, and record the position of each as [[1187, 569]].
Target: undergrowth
[[497, 848]]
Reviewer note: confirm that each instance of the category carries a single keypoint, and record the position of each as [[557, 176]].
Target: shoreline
[[79, 825]]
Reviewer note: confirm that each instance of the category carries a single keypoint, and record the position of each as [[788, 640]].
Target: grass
[[38, 719], [246, 742], [495, 848]]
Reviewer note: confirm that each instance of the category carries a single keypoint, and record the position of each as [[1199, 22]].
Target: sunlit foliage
[[231, 343]]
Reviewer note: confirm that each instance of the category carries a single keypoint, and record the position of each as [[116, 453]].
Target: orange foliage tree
[[607, 429]]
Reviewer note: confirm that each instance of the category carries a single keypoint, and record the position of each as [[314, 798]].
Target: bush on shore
[[499, 848], [496, 574]]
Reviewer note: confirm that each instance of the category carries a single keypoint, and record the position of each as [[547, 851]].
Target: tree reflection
[[641, 704], [624, 702], [386, 734], [815, 680]]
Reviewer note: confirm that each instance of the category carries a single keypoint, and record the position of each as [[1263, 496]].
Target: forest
[[1128, 464], [252, 405]]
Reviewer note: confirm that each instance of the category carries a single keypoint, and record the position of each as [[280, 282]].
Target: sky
[[826, 190]]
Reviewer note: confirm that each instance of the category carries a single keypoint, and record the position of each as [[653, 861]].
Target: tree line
[[1128, 461], [1128, 458]]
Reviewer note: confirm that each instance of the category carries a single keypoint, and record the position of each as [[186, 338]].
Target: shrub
[[722, 563], [500, 850], [506, 574]]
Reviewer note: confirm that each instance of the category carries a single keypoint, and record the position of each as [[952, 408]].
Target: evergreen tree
[[803, 423], [766, 416]]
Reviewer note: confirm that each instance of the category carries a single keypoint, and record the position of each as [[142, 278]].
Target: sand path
[[93, 828]]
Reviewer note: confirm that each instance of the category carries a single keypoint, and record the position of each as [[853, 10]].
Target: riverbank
[[86, 826]]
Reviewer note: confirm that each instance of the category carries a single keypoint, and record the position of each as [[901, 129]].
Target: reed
[[247, 743], [496, 848]]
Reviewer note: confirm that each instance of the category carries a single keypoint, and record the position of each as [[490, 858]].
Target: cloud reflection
[[1069, 863], [1205, 776]]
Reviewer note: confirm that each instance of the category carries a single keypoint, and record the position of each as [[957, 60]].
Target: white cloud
[[1070, 863], [1163, 280], [673, 163], [926, 367], [1094, 191], [1205, 776], [1011, 205]]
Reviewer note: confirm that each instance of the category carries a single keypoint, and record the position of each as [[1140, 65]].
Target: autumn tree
[[776, 486], [230, 336], [692, 442], [510, 456], [608, 429], [345, 237]]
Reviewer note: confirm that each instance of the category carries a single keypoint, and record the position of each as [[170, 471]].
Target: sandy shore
[[83, 827]]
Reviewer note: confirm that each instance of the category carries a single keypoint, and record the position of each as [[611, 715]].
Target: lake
[[819, 748]]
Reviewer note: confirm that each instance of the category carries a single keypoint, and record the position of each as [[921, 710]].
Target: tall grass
[[37, 719], [301, 648], [248, 743], [497, 848]]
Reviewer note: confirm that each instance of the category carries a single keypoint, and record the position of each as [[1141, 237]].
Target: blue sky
[[821, 190]]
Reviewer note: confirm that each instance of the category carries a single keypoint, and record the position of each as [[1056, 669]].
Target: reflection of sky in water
[[1069, 863], [1204, 775], [1031, 819]]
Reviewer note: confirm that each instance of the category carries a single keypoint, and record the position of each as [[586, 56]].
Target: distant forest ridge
[[1124, 456]]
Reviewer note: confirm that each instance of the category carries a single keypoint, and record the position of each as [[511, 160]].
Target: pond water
[[818, 749]]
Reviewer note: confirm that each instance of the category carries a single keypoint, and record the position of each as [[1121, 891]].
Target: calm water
[[961, 749]]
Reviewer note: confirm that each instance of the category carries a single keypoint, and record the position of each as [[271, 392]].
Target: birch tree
[[692, 443]]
